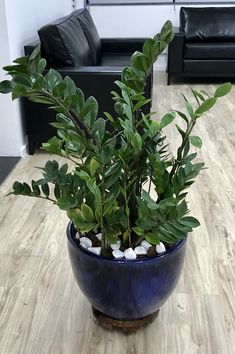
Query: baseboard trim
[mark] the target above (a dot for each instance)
(23, 150)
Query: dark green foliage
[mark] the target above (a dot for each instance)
(105, 189)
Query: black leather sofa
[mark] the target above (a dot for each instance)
(204, 45)
(72, 46)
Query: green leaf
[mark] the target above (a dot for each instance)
(140, 61)
(89, 111)
(65, 203)
(182, 209)
(141, 103)
(70, 87)
(189, 221)
(18, 90)
(136, 142)
(138, 230)
(45, 189)
(151, 49)
(6, 86)
(41, 99)
(53, 146)
(59, 89)
(75, 215)
(84, 227)
(42, 65)
(153, 238)
(206, 105)
(99, 127)
(21, 60)
(53, 78)
(35, 53)
(188, 106)
(35, 188)
(17, 187)
(57, 191)
(182, 133)
(94, 165)
(183, 116)
(167, 119)
(198, 96)
(87, 213)
(223, 89)
(26, 189)
(196, 141)
(108, 115)
(39, 83)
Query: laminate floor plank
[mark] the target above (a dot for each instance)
(43, 311)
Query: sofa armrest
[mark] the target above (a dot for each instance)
(176, 53)
(29, 48)
(122, 45)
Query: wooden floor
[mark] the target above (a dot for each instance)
(43, 311)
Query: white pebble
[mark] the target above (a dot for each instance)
(160, 248)
(145, 244)
(140, 250)
(77, 236)
(116, 246)
(85, 242)
(118, 254)
(129, 253)
(99, 236)
(95, 250)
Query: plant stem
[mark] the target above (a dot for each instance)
(83, 128)
(181, 148)
(46, 198)
(127, 209)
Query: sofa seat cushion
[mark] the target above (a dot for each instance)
(115, 59)
(210, 24)
(64, 43)
(209, 51)
(90, 31)
(209, 67)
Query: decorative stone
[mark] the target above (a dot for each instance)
(85, 242)
(99, 236)
(95, 250)
(145, 244)
(140, 250)
(116, 246)
(129, 253)
(160, 248)
(77, 236)
(118, 254)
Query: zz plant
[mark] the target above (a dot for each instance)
(108, 188)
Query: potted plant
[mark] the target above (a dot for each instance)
(126, 244)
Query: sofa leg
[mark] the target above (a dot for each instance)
(168, 80)
(31, 146)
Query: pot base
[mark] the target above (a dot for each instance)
(127, 326)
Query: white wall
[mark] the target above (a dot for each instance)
(9, 130)
(136, 21)
(131, 21)
(19, 22)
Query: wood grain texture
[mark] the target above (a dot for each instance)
(41, 307)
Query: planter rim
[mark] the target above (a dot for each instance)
(69, 232)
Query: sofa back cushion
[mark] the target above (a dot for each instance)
(208, 24)
(90, 32)
(64, 43)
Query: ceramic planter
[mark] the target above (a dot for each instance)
(121, 289)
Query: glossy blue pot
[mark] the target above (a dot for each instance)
(121, 289)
